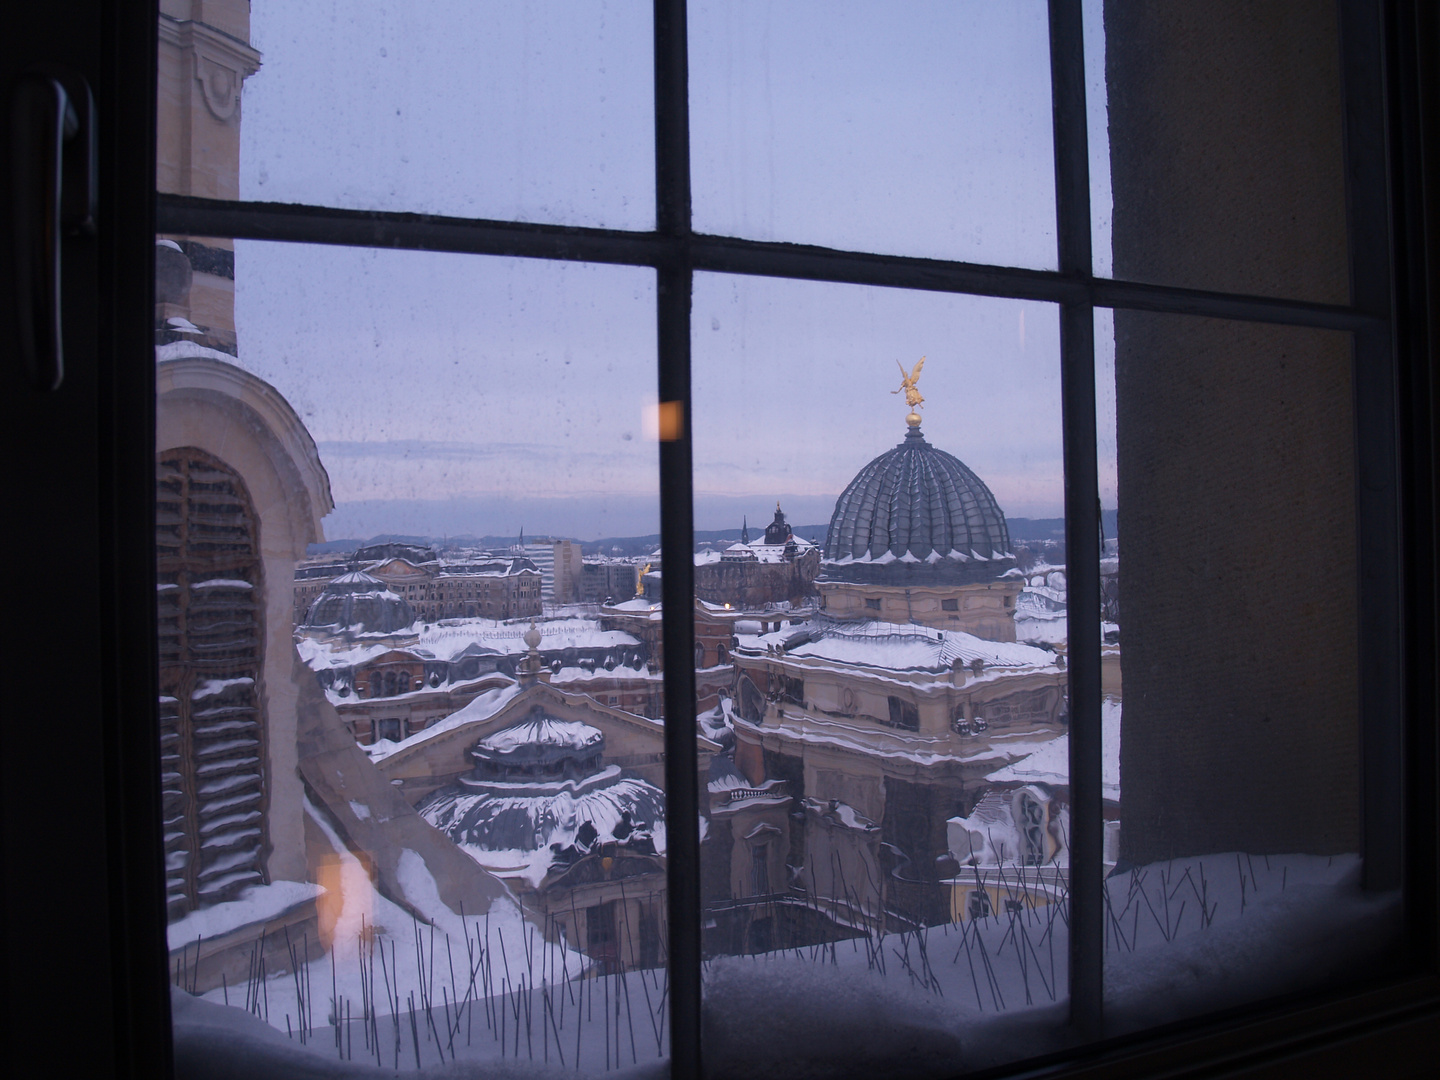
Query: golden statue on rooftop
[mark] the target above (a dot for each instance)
(913, 397)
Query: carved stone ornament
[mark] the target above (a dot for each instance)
(220, 84)
(221, 63)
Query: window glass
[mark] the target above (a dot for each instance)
(890, 733)
(1098, 137)
(1231, 585)
(918, 129)
(526, 112)
(400, 824)
(1225, 147)
(409, 577)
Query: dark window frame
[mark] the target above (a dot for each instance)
(1397, 56)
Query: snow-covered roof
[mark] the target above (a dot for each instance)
(840, 813)
(480, 708)
(992, 836)
(638, 605)
(454, 638)
(357, 581)
(1050, 764)
(361, 603)
(724, 776)
(1032, 624)
(619, 672)
(898, 647)
(532, 817)
(757, 552)
(543, 731)
(497, 567)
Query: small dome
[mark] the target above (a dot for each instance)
(532, 817)
(536, 783)
(359, 603)
(917, 515)
(541, 746)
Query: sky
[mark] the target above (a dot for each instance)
(457, 394)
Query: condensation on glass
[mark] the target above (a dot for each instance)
(881, 673)
(520, 112)
(922, 129)
(1239, 828)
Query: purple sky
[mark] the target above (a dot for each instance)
(456, 393)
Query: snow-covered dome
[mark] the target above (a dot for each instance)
(540, 747)
(360, 603)
(537, 783)
(531, 817)
(916, 515)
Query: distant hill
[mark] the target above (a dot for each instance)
(642, 545)
(1022, 530)
(1038, 529)
(493, 543)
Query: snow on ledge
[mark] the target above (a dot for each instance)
(256, 904)
(1303, 923)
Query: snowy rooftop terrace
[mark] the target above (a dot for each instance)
(446, 640)
(482, 707)
(897, 647)
(544, 731)
(1050, 764)
(756, 552)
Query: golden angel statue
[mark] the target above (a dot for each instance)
(913, 397)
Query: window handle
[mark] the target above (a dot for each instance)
(52, 194)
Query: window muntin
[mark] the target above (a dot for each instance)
(1297, 314)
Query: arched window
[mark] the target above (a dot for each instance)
(212, 646)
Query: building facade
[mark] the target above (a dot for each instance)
(487, 587)
(780, 567)
(862, 729)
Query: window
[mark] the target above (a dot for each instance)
(212, 639)
(1157, 290)
(918, 518)
(903, 714)
(760, 870)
